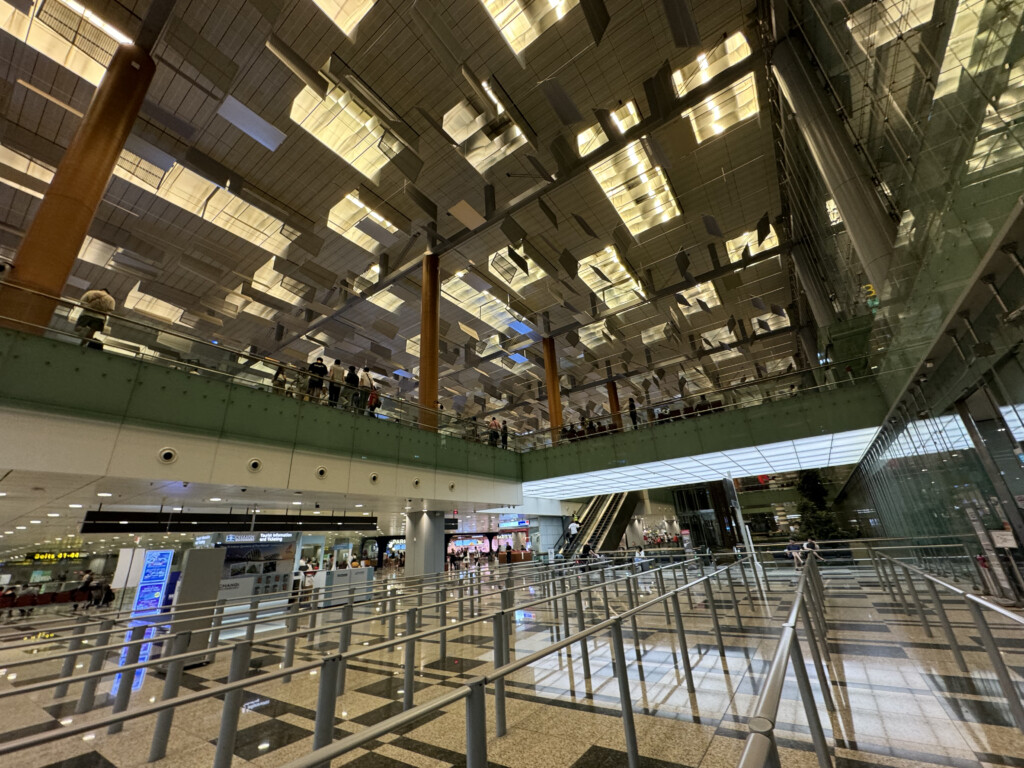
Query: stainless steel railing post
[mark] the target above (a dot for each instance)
(626, 702)
(810, 708)
(499, 684)
(896, 586)
(735, 602)
(661, 591)
(604, 594)
(476, 724)
(215, 624)
(947, 629)
(581, 625)
(819, 668)
(326, 701)
(344, 640)
(714, 617)
(250, 630)
(442, 620)
(232, 703)
(172, 683)
(291, 624)
(410, 658)
(126, 680)
(684, 650)
(912, 588)
(88, 697)
(68, 667)
(1006, 684)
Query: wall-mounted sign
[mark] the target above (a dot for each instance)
(261, 537)
(507, 524)
(54, 556)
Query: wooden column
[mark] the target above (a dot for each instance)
(554, 390)
(613, 405)
(54, 239)
(429, 337)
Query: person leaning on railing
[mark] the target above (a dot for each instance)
(96, 305)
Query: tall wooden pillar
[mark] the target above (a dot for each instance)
(54, 239)
(613, 405)
(429, 339)
(554, 390)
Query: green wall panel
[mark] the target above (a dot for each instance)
(263, 417)
(166, 398)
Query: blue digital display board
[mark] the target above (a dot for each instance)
(156, 569)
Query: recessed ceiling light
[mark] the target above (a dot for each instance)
(215, 498)
(359, 506)
(3, 493)
(35, 522)
(104, 495)
(74, 506)
(53, 514)
(20, 527)
(366, 514)
(177, 509)
(296, 503)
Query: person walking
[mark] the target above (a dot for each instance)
(493, 432)
(504, 434)
(365, 387)
(632, 412)
(315, 387)
(337, 377)
(574, 529)
(96, 305)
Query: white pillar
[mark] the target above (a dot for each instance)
(424, 543)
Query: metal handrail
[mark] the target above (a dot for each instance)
(888, 570)
(120, 717)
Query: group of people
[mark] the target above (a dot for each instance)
(800, 553)
(11, 594)
(88, 593)
(335, 386)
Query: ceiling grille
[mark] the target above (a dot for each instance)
(89, 39)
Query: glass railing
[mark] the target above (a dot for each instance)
(163, 345)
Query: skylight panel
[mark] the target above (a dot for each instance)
(345, 14)
(655, 334)
(197, 195)
(482, 304)
(594, 335)
(619, 289)
(636, 187)
(500, 265)
(732, 51)
(625, 117)
(344, 127)
(834, 216)
(151, 306)
(878, 23)
(68, 33)
(345, 218)
(715, 339)
(523, 21)
(270, 281)
(735, 246)
(705, 292)
(732, 105)
(483, 142)
(773, 321)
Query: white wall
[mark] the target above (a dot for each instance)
(33, 441)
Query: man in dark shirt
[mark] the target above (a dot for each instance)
(794, 554)
(317, 371)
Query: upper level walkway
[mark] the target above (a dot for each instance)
(159, 379)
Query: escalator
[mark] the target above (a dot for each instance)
(567, 547)
(604, 521)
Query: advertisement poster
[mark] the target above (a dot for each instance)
(255, 558)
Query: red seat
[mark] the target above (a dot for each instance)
(45, 599)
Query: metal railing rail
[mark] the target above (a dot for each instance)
(474, 690)
(332, 668)
(301, 595)
(808, 609)
(104, 650)
(906, 596)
